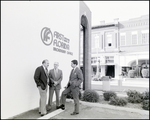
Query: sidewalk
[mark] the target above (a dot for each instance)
(101, 111)
(88, 111)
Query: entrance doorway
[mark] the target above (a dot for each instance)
(110, 71)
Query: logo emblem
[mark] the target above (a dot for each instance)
(46, 36)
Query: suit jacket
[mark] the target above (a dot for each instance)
(76, 78)
(40, 77)
(57, 78)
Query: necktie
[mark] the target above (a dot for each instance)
(72, 71)
(46, 71)
(55, 72)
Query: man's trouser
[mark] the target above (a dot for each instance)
(43, 98)
(51, 92)
(75, 93)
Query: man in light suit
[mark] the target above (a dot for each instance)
(75, 79)
(41, 79)
(55, 76)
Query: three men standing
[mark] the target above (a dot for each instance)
(53, 79)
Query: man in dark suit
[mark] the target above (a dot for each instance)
(75, 79)
(41, 79)
(55, 77)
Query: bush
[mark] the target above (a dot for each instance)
(90, 96)
(70, 96)
(109, 94)
(134, 96)
(131, 73)
(145, 73)
(145, 104)
(95, 79)
(118, 101)
(145, 95)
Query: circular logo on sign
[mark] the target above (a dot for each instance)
(46, 36)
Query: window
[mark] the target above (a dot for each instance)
(96, 38)
(102, 42)
(93, 42)
(145, 37)
(109, 40)
(134, 38)
(122, 39)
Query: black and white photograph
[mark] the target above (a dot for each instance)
(74, 59)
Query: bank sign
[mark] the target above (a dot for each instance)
(59, 42)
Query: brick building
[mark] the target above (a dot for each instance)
(119, 46)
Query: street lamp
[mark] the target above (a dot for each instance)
(97, 46)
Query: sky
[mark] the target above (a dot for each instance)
(109, 10)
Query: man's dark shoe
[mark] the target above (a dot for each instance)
(43, 114)
(74, 113)
(57, 107)
(62, 107)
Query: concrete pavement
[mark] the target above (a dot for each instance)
(101, 111)
(89, 111)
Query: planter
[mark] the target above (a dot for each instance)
(105, 83)
(145, 73)
(131, 73)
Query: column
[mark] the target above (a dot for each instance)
(103, 70)
(137, 66)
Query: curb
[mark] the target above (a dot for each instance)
(52, 114)
(142, 112)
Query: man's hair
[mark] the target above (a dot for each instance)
(44, 61)
(75, 62)
(56, 63)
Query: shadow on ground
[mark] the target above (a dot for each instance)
(32, 114)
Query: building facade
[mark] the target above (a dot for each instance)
(31, 32)
(119, 46)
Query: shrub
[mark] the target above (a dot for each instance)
(109, 94)
(134, 96)
(95, 79)
(90, 96)
(118, 101)
(70, 96)
(145, 104)
(131, 73)
(145, 73)
(145, 95)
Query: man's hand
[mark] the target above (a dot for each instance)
(72, 83)
(55, 83)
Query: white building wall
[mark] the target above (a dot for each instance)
(117, 66)
(22, 49)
